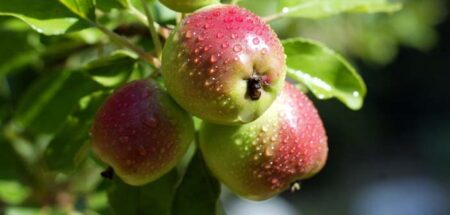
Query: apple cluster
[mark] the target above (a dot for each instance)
(224, 65)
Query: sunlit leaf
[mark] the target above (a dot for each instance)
(83, 8)
(48, 17)
(12, 192)
(324, 72)
(324, 8)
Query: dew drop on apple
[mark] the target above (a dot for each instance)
(237, 48)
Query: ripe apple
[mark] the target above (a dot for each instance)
(260, 159)
(224, 64)
(141, 132)
(187, 6)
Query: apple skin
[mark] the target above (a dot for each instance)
(260, 159)
(211, 59)
(187, 6)
(141, 132)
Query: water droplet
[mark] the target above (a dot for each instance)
(224, 45)
(237, 48)
(355, 93)
(228, 20)
(264, 51)
(212, 70)
(188, 34)
(238, 142)
(200, 38)
(150, 121)
(219, 35)
(233, 36)
(213, 59)
(235, 58)
(196, 60)
(207, 83)
(255, 41)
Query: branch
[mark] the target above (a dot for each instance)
(127, 44)
(152, 28)
(163, 31)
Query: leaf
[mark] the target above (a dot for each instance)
(199, 192)
(322, 8)
(64, 154)
(107, 5)
(13, 192)
(112, 70)
(83, 8)
(50, 100)
(49, 17)
(151, 199)
(18, 48)
(324, 72)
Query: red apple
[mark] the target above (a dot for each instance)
(224, 64)
(141, 132)
(261, 159)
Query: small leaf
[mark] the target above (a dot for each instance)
(323, 8)
(113, 70)
(199, 192)
(49, 17)
(49, 102)
(151, 199)
(324, 72)
(83, 8)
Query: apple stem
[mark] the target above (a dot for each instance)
(108, 173)
(254, 88)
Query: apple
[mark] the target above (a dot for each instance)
(141, 132)
(260, 159)
(224, 65)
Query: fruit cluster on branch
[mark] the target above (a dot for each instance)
(226, 66)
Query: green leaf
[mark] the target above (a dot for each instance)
(324, 72)
(19, 47)
(151, 199)
(199, 192)
(112, 70)
(64, 154)
(83, 8)
(323, 8)
(49, 17)
(12, 192)
(49, 101)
